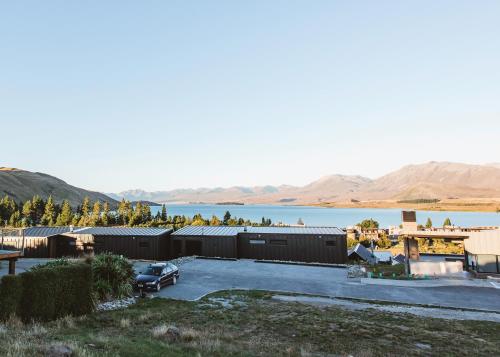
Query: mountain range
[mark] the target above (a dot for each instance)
(433, 180)
(429, 181)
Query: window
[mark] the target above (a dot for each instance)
(257, 241)
(487, 263)
(330, 243)
(278, 242)
(143, 244)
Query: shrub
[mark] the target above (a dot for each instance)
(51, 264)
(55, 291)
(113, 276)
(11, 290)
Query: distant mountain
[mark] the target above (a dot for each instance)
(435, 180)
(440, 180)
(23, 185)
(326, 188)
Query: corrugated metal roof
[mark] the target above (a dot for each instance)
(123, 231)
(363, 253)
(209, 231)
(234, 230)
(296, 230)
(45, 231)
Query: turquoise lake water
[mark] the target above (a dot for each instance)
(340, 217)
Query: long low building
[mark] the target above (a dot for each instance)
(131, 242)
(303, 244)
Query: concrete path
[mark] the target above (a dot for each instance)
(201, 277)
(442, 313)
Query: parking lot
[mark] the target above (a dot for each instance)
(201, 276)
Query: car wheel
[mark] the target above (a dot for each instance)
(158, 287)
(174, 281)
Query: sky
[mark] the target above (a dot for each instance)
(158, 95)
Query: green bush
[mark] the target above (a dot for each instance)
(11, 291)
(113, 276)
(51, 264)
(56, 291)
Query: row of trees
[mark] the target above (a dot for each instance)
(91, 214)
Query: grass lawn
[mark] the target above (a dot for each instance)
(238, 323)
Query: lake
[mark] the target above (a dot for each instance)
(339, 217)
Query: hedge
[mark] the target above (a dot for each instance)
(11, 292)
(48, 293)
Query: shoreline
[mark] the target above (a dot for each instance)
(453, 206)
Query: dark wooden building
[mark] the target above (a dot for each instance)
(302, 244)
(131, 242)
(38, 241)
(208, 241)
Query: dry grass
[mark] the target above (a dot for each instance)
(125, 323)
(254, 325)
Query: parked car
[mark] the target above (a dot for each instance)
(156, 276)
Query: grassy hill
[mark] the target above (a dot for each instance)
(23, 185)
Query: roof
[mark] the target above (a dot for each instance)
(45, 231)
(296, 230)
(400, 258)
(235, 230)
(229, 231)
(363, 253)
(123, 231)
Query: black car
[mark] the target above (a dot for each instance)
(157, 275)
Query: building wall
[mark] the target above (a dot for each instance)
(293, 247)
(142, 247)
(209, 246)
(484, 242)
(34, 247)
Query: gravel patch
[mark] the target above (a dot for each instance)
(182, 260)
(441, 313)
(116, 304)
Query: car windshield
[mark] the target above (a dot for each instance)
(153, 271)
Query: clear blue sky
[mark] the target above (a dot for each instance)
(113, 95)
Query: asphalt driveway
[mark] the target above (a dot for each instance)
(200, 277)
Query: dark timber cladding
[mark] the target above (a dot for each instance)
(38, 241)
(303, 244)
(133, 243)
(208, 241)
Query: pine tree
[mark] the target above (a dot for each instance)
(105, 219)
(65, 218)
(28, 212)
(48, 218)
(428, 224)
(38, 207)
(85, 215)
(163, 213)
(215, 221)
(124, 212)
(15, 219)
(95, 218)
(447, 222)
(227, 217)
